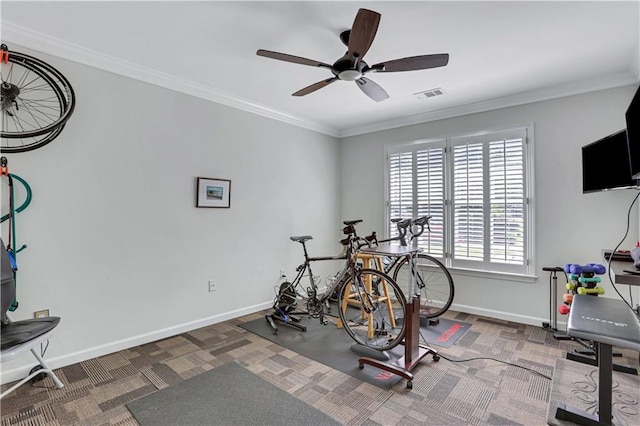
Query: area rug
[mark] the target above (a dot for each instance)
(576, 385)
(333, 347)
(226, 395)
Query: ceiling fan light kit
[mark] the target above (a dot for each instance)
(350, 75)
(352, 67)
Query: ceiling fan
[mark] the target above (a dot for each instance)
(352, 67)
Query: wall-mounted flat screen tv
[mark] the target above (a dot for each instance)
(633, 134)
(605, 164)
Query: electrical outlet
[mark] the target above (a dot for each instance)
(212, 285)
(41, 314)
(282, 273)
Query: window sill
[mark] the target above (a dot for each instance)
(530, 279)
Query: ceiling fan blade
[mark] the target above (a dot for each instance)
(315, 86)
(413, 63)
(290, 58)
(363, 32)
(371, 89)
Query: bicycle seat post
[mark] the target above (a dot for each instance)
(402, 232)
(304, 248)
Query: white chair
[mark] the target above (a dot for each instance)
(20, 336)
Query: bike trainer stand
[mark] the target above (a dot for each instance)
(414, 351)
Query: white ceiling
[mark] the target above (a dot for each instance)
(501, 53)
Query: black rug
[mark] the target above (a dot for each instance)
(220, 397)
(333, 346)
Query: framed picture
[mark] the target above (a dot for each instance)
(214, 193)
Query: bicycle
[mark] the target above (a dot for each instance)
(433, 280)
(36, 102)
(378, 319)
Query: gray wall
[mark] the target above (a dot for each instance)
(570, 227)
(118, 250)
(116, 246)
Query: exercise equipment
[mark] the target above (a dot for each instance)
(284, 308)
(18, 337)
(608, 323)
(583, 281)
(11, 249)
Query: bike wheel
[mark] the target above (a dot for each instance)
(372, 309)
(433, 283)
(36, 102)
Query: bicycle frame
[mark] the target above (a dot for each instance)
(315, 304)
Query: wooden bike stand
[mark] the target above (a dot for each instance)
(414, 352)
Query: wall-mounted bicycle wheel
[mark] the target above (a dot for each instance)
(36, 102)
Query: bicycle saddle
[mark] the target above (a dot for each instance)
(302, 239)
(352, 222)
(404, 223)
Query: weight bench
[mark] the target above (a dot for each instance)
(607, 323)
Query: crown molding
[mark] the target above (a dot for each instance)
(545, 94)
(37, 41)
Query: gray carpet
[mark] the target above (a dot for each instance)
(219, 397)
(333, 346)
(576, 385)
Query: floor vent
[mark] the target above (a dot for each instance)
(429, 93)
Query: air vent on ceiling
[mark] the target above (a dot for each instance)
(429, 93)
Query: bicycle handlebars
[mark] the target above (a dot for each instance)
(404, 225)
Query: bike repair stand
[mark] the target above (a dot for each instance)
(414, 351)
(552, 325)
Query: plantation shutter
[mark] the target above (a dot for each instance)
(507, 198)
(468, 200)
(400, 188)
(489, 202)
(430, 198)
(475, 190)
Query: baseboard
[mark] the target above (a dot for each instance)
(505, 316)
(98, 351)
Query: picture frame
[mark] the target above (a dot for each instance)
(213, 193)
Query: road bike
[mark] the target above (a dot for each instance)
(432, 279)
(371, 306)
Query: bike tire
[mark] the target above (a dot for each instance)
(434, 283)
(37, 113)
(385, 326)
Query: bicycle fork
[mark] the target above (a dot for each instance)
(367, 302)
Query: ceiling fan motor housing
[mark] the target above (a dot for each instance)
(347, 69)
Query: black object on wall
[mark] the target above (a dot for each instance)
(633, 134)
(605, 164)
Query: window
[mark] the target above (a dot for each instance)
(475, 189)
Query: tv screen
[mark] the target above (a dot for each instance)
(633, 134)
(605, 164)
